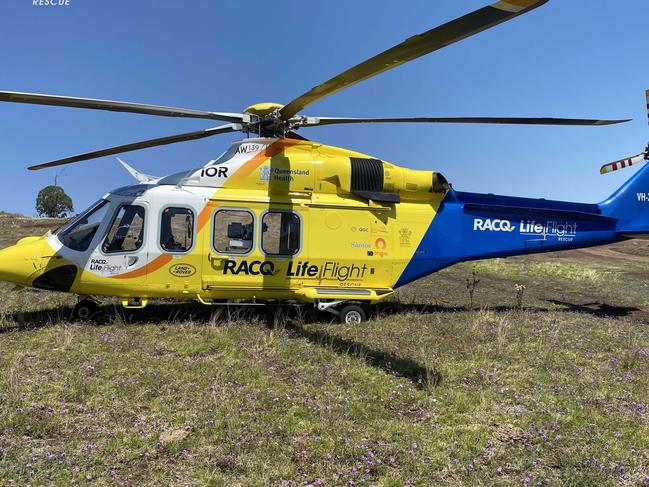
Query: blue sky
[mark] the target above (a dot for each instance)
(572, 58)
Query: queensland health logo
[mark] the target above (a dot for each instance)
(492, 225)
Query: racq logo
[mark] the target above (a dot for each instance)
(491, 225)
(51, 3)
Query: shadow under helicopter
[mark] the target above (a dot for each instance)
(290, 318)
(295, 321)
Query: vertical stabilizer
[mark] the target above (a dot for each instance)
(630, 204)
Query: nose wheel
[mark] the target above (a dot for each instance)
(85, 309)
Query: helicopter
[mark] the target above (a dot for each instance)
(278, 218)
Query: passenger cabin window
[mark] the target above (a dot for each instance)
(177, 229)
(233, 231)
(280, 233)
(127, 231)
(78, 234)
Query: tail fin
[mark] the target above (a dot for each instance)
(630, 204)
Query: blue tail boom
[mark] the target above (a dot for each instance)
(471, 226)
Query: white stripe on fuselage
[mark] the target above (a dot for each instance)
(195, 190)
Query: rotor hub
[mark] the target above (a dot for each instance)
(263, 109)
(264, 120)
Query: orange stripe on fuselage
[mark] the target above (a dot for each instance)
(244, 171)
(155, 264)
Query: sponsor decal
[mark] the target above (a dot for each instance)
(380, 247)
(404, 237)
(182, 270)
(102, 266)
(329, 270)
(214, 172)
(492, 225)
(268, 173)
(563, 231)
(254, 268)
(298, 269)
(361, 245)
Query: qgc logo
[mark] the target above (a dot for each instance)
(490, 225)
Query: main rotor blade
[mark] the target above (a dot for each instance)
(115, 106)
(413, 48)
(315, 121)
(171, 139)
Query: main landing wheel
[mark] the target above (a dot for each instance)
(84, 310)
(352, 314)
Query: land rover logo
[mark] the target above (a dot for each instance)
(182, 270)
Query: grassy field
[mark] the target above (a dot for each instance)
(547, 385)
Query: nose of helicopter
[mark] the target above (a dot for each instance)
(18, 262)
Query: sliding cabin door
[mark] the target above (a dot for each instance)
(254, 250)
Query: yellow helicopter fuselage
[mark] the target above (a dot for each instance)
(271, 219)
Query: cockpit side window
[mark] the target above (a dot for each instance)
(127, 230)
(78, 234)
(177, 229)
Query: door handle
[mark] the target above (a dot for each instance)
(215, 259)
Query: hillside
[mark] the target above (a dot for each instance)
(434, 390)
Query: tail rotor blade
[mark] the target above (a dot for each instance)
(623, 163)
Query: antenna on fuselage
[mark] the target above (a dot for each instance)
(140, 177)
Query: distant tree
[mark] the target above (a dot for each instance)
(53, 202)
